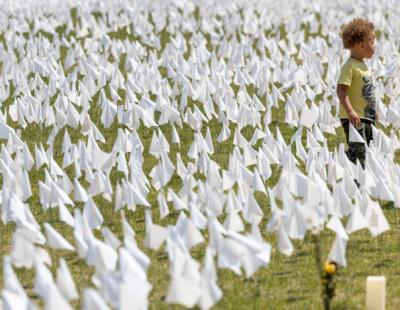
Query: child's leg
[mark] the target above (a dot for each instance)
(355, 150)
(368, 132)
(345, 125)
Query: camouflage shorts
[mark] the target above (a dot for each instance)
(357, 150)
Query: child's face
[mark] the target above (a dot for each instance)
(368, 46)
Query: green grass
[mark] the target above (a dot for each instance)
(286, 283)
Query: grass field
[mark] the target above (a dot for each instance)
(286, 283)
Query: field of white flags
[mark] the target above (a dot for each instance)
(170, 153)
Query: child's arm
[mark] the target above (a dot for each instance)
(341, 91)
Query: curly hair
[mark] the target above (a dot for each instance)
(356, 32)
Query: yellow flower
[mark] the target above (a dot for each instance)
(330, 267)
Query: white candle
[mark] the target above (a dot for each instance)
(376, 293)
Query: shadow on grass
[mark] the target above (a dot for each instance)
(294, 299)
(387, 204)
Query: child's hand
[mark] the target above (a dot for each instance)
(378, 115)
(354, 119)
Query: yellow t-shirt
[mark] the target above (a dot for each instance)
(361, 90)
